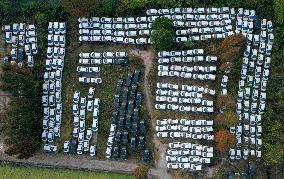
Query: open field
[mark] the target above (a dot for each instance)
(15, 172)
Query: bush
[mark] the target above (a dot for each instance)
(273, 154)
(227, 101)
(141, 172)
(163, 34)
(236, 40)
(21, 126)
(224, 140)
(227, 120)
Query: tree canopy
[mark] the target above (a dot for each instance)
(163, 33)
(224, 140)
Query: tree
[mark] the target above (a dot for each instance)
(163, 34)
(273, 154)
(231, 48)
(163, 23)
(141, 172)
(80, 8)
(231, 118)
(110, 8)
(227, 120)
(224, 140)
(279, 11)
(162, 39)
(227, 101)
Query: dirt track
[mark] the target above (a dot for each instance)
(161, 169)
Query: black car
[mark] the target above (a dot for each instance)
(121, 123)
(128, 121)
(137, 76)
(116, 100)
(146, 155)
(257, 23)
(141, 142)
(124, 138)
(118, 86)
(130, 107)
(129, 79)
(122, 111)
(125, 94)
(21, 55)
(133, 130)
(123, 153)
(114, 117)
(138, 99)
(122, 61)
(136, 112)
(115, 153)
(133, 91)
(133, 143)
(142, 128)
(117, 137)
(251, 169)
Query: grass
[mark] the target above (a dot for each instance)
(16, 172)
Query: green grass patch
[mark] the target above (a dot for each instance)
(15, 172)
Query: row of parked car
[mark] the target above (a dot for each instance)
(252, 95)
(52, 100)
(126, 122)
(81, 133)
(98, 58)
(184, 122)
(115, 29)
(188, 88)
(187, 59)
(23, 39)
(186, 135)
(188, 156)
(176, 100)
(185, 128)
(179, 68)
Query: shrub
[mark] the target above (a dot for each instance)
(224, 140)
(227, 120)
(273, 154)
(141, 172)
(225, 100)
(236, 40)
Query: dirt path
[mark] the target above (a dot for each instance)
(71, 162)
(161, 169)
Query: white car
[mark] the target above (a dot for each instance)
(171, 158)
(161, 106)
(172, 165)
(141, 41)
(163, 134)
(93, 150)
